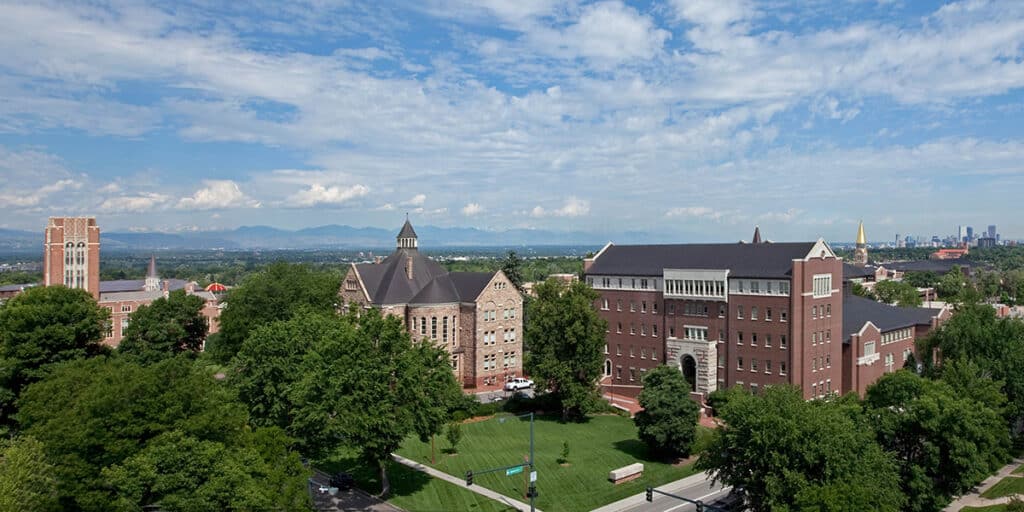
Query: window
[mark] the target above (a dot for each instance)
(632, 374)
(828, 335)
(782, 315)
(767, 340)
(782, 367)
(739, 363)
(618, 305)
(643, 353)
(721, 311)
(828, 360)
(618, 372)
(605, 348)
(768, 288)
(721, 336)
(632, 328)
(654, 330)
(721, 360)
(753, 364)
(754, 388)
(109, 332)
(618, 328)
(782, 341)
(632, 352)
(671, 308)
(767, 365)
(433, 327)
(444, 329)
(126, 308)
(671, 331)
(739, 337)
(814, 311)
(124, 325)
(654, 354)
(784, 287)
(767, 314)
(643, 329)
(753, 339)
(739, 312)
(643, 284)
(654, 307)
(890, 362)
(643, 306)
(697, 333)
(423, 326)
(754, 287)
(618, 349)
(822, 285)
(753, 312)
(632, 306)
(869, 348)
(455, 362)
(828, 310)
(604, 304)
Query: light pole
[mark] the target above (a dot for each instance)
(532, 489)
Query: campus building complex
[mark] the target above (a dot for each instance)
(746, 314)
(476, 316)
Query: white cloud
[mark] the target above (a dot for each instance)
(472, 209)
(573, 207)
(319, 194)
(35, 197)
(218, 195)
(416, 200)
(701, 212)
(143, 202)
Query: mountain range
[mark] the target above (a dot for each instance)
(326, 237)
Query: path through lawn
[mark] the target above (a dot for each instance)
(601, 444)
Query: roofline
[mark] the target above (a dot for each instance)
(362, 285)
(603, 249)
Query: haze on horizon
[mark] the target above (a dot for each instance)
(673, 117)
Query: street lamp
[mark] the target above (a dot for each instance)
(531, 490)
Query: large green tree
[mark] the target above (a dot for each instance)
(786, 453)
(26, 477)
(952, 285)
(165, 328)
(566, 338)
(40, 327)
(896, 292)
(98, 414)
(944, 442)
(512, 266)
(352, 380)
(275, 293)
(668, 421)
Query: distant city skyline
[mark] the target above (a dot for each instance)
(694, 120)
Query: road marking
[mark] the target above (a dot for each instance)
(719, 491)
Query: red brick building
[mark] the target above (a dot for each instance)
(476, 316)
(71, 253)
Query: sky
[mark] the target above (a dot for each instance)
(691, 119)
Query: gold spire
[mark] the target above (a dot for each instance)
(861, 239)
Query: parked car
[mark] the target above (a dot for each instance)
(518, 383)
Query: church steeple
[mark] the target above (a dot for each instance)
(757, 235)
(860, 253)
(152, 278)
(407, 236)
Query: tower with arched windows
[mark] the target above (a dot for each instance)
(71, 253)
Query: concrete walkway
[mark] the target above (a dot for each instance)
(974, 499)
(500, 498)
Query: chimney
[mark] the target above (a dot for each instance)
(408, 266)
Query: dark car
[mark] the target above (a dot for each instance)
(343, 481)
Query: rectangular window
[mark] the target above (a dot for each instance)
(782, 341)
(721, 311)
(632, 328)
(671, 331)
(753, 339)
(767, 365)
(643, 353)
(444, 329)
(671, 308)
(828, 310)
(654, 330)
(784, 287)
(654, 354)
(126, 308)
(721, 360)
(632, 352)
(739, 337)
(618, 328)
(767, 340)
(782, 367)
(654, 307)
(632, 306)
(618, 349)
(869, 348)
(433, 327)
(753, 313)
(643, 284)
(643, 306)
(739, 312)
(643, 329)
(767, 314)
(618, 305)
(814, 312)
(822, 285)
(755, 287)
(782, 315)
(739, 363)
(753, 365)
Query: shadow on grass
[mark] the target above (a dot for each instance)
(404, 480)
(638, 450)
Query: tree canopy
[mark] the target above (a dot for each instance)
(944, 442)
(898, 293)
(668, 421)
(275, 293)
(566, 339)
(43, 326)
(165, 328)
(355, 380)
(26, 477)
(512, 266)
(96, 415)
(786, 453)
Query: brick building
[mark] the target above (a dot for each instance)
(477, 317)
(747, 314)
(71, 253)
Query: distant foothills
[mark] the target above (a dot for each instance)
(329, 237)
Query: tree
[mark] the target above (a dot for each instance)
(566, 340)
(165, 328)
(668, 421)
(944, 443)
(512, 266)
(454, 435)
(98, 414)
(926, 279)
(952, 285)
(860, 291)
(354, 379)
(895, 292)
(43, 326)
(786, 453)
(275, 293)
(26, 477)
(564, 459)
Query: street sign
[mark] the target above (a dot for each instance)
(513, 471)
(533, 476)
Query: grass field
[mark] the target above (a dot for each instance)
(597, 446)
(1019, 470)
(1005, 487)
(990, 508)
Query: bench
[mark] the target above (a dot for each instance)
(626, 473)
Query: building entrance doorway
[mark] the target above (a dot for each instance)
(689, 366)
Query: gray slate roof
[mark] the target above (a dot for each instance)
(16, 287)
(937, 266)
(136, 285)
(858, 310)
(407, 230)
(855, 272)
(770, 260)
(387, 282)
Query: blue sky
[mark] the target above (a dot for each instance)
(696, 119)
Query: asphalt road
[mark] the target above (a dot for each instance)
(698, 491)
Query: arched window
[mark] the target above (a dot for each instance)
(607, 367)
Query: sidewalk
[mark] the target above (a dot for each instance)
(974, 499)
(639, 499)
(500, 498)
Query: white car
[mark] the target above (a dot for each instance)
(518, 383)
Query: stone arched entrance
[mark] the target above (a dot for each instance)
(689, 366)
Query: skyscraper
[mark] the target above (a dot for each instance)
(71, 253)
(992, 231)
(970, 233)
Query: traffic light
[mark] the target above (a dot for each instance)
(531, 492)
(650, 494)
(469, 478)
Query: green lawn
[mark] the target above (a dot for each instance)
(415, 491)
(1019, 470)
(1005, 487)
(990, 508)
(601, 444)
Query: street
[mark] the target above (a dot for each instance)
(695, 488)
